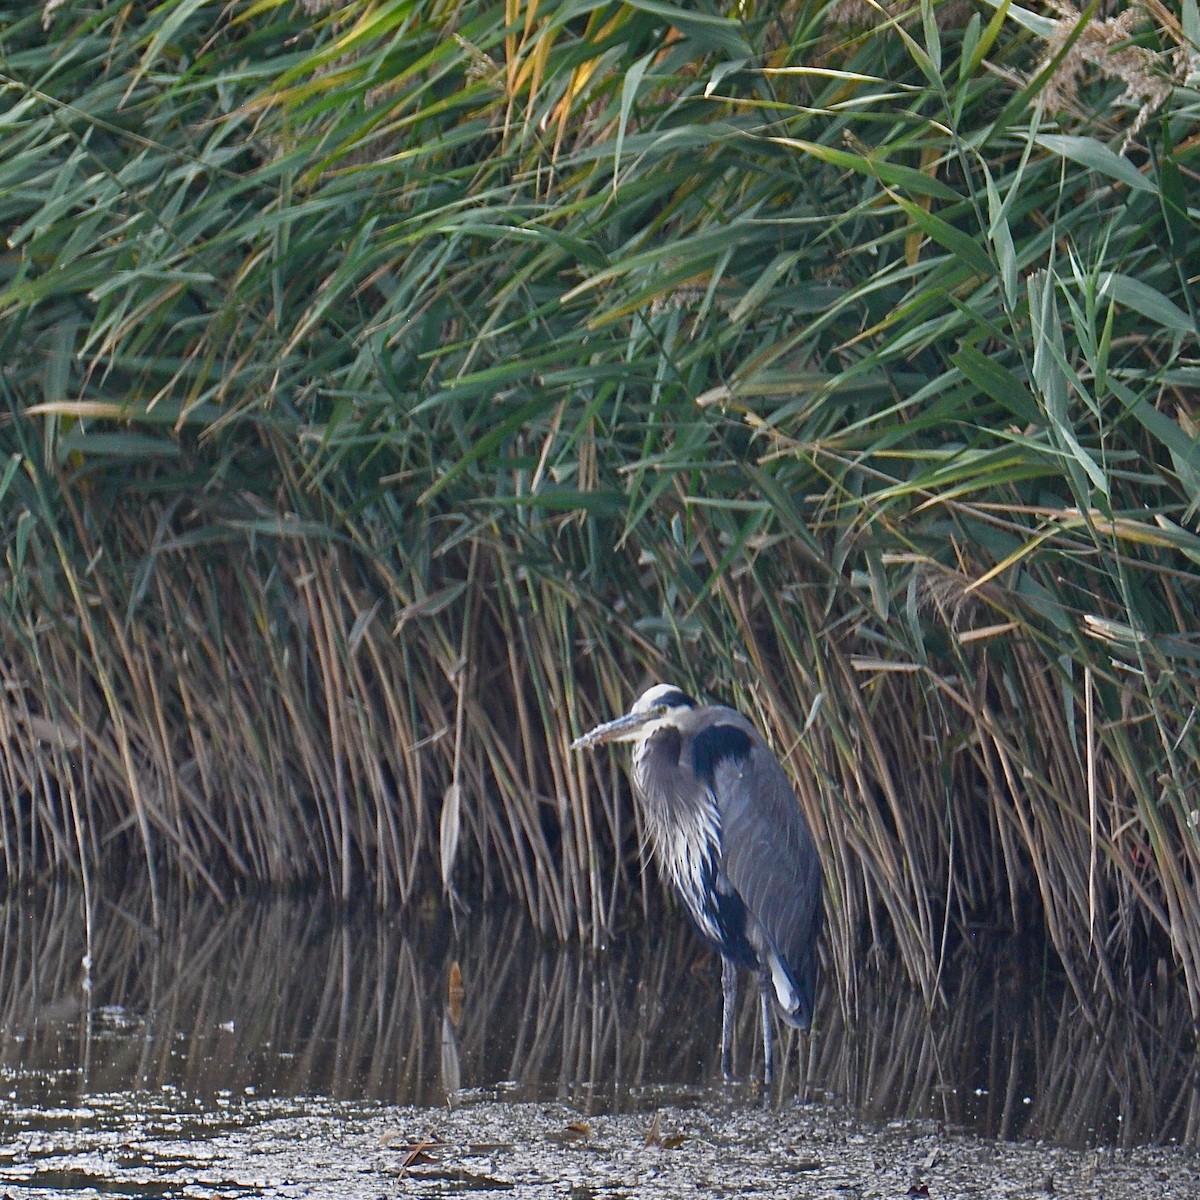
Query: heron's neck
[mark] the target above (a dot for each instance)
(673, 801)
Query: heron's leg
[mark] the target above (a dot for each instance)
(768, 1041)
(728, 1004)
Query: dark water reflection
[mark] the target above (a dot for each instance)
(288, 998)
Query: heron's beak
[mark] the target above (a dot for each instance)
(623, 729)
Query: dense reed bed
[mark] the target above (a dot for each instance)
(391, 391)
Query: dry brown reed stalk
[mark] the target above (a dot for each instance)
(1032, 769)
(1065, 787)
(299, 716)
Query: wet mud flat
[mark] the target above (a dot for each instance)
(704, 1144)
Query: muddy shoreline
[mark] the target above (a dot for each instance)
(167, 1145)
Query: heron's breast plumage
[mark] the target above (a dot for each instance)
(683, 821)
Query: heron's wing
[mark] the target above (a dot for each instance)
(768, 854)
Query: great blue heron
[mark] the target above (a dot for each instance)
(727, 830)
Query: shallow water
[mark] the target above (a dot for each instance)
(279, 1048)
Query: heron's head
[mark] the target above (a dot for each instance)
(653, 708)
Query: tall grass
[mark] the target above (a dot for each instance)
(393, 390)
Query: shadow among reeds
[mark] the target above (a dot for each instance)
(288, 997)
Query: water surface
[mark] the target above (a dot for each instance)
(272, 1047)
